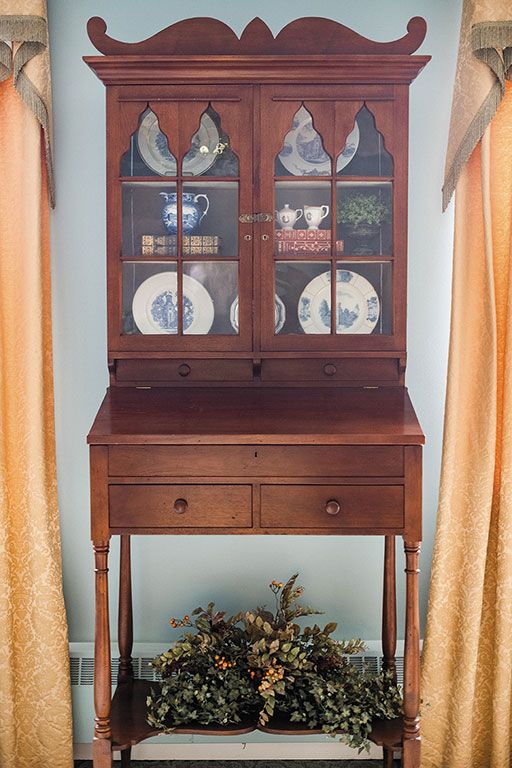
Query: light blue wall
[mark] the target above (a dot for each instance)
(342, 576)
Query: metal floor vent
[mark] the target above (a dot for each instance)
(82, 667)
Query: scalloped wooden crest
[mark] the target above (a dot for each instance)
(210, 37)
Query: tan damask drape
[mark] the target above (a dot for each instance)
(483, 64)
(467, 657)
(35, 707)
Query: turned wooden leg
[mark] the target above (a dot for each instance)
(389, 607)
(125, 619)
(102, 747)
(126, 755)
(389, 622)
(411, 755)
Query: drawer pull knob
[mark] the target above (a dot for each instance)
(180, 506)
(330, 369)
(332, 507)
(184, 369)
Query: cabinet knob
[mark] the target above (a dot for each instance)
(180, 506)
(330, 369)
(332, 507)
(184, 369)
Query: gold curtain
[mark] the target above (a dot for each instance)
(483, 64)
(467, 658)
(35, 704)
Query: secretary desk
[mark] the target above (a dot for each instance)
(256, 273)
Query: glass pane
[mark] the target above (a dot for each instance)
(148, 225)
(210, 297)
(364, 153)
(150, 291)
(148, 153)
(210, 218)
(304, 288)
(364, 215)
(303, 217)
(303, 153)
(364, 297)
(210, 153)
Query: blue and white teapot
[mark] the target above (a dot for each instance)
(191, 214)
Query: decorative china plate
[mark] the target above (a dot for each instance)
(280, 314)
(357, 304)
(155, 305)
(303, 153)
(154, 151)
(349, 150)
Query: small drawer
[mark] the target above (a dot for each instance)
(347, 369)
(332, 506)
(256, 461)
(180, 506)
(173, 371)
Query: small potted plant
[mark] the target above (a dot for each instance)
(362, 214)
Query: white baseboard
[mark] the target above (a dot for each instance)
(278, 751)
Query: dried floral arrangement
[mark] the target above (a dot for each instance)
(262, 665)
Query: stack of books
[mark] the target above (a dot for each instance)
(192, 245)
(290, 241)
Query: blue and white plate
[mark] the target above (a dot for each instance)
(154, 149)
(280, 314)
(303, 153)
(155, 305)
(357, 304)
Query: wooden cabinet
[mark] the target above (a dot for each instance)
(256, 272)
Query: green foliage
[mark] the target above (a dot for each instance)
(360, 208)
(342, 703)
(260, 664)
(205, 676)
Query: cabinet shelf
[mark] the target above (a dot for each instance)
(129, 725)
(308, 256)
(309, 180)
(207, 181)
(202, 257)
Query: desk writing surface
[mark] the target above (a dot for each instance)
(217, 415)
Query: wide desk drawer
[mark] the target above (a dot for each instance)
(171, 372)
(256, 461)
(180, 506)
(339, 370)
(332, 506)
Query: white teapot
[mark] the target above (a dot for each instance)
(287, 217)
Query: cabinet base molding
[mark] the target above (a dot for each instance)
(313, 749)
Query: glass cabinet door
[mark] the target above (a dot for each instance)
(184, 176)
(328, 175)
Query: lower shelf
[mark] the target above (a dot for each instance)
(129, 726)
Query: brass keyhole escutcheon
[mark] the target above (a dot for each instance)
(332, 507)
(247, 237)
(180, 506)
(264, 237)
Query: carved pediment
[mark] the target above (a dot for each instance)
(211, 37)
